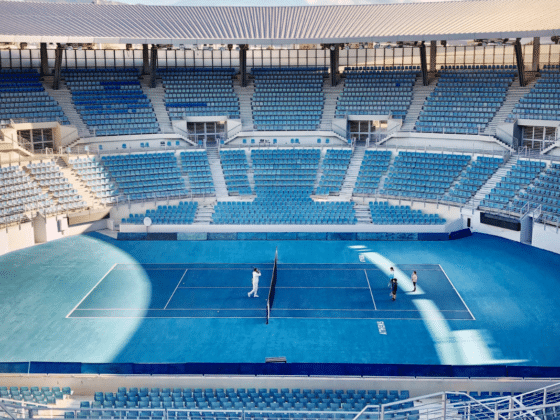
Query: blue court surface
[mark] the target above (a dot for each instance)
(92, 299)
(302, 291)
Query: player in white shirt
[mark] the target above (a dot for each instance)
(256, 275)
(414, 279)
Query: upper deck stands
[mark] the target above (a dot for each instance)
(466, 99)
(199, 92)
(377, 91)
(111, 101)
(289, 98)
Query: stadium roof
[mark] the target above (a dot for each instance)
(137, 24)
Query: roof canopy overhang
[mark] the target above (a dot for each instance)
(139, 24)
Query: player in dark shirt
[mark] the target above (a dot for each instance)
(394, 287)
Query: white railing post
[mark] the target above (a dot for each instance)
(444, 405)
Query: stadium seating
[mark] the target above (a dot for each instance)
(384, 214)
(197, 167)
(261, 399)
(111, 101)
(22, 96)
(48, 175)
(478, 173)
(465, 99)
(374, 165)
(377, 91)
(94, 175)
(288, 98)
(182, 214)
(235, 166)
(284, 181)
(285, 168)
(334, 165)
(423, 175)
(34, 394)
(544, 191)
(19, 194)
(199, 91)
(287, 208)
(146, 176)
(520, 175)
(543, 101)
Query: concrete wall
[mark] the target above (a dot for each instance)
(546, 237)
(19, 236)
(432, 142)
(284, 139)
(64, 135)
(56, 227)
(476, 226)
(4, 245)
(85, 385)
(554, 152)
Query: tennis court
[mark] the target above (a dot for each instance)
(93, 299)
(302, 291)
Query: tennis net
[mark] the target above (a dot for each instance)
(272, 290)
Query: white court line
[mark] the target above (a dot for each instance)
(370, 291)
(180, 280)
(258, 317)
(178, 309)
(102, 278)
(366, 319)
(212, 287)
(319, 287)
(458, 294)
(339, 309)
(176, 317)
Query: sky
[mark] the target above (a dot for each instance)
(267, 2)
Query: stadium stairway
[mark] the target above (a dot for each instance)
(245, 95)
(515, 93)
(184, 174)
(352, 175)
(363, 214)
(156, 95)
(204, 213)
(250, 171)
(64, 99)
(77, 183)
(419, 95)
(386, 174)
(491, 183)
(319, 170)
(217, 172)
(331, 97)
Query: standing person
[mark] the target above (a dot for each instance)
(256, 275)
(391, 276)
(394, 287)
(414, 279)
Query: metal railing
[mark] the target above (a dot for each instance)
(540, 404)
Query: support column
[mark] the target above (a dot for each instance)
(57, 66)
(536, 53)
(145, 59)
(335, 58)
(44, 60)
(243, 63)
(424, 65)
(433, 56)
(519, 60)
(153, 65)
